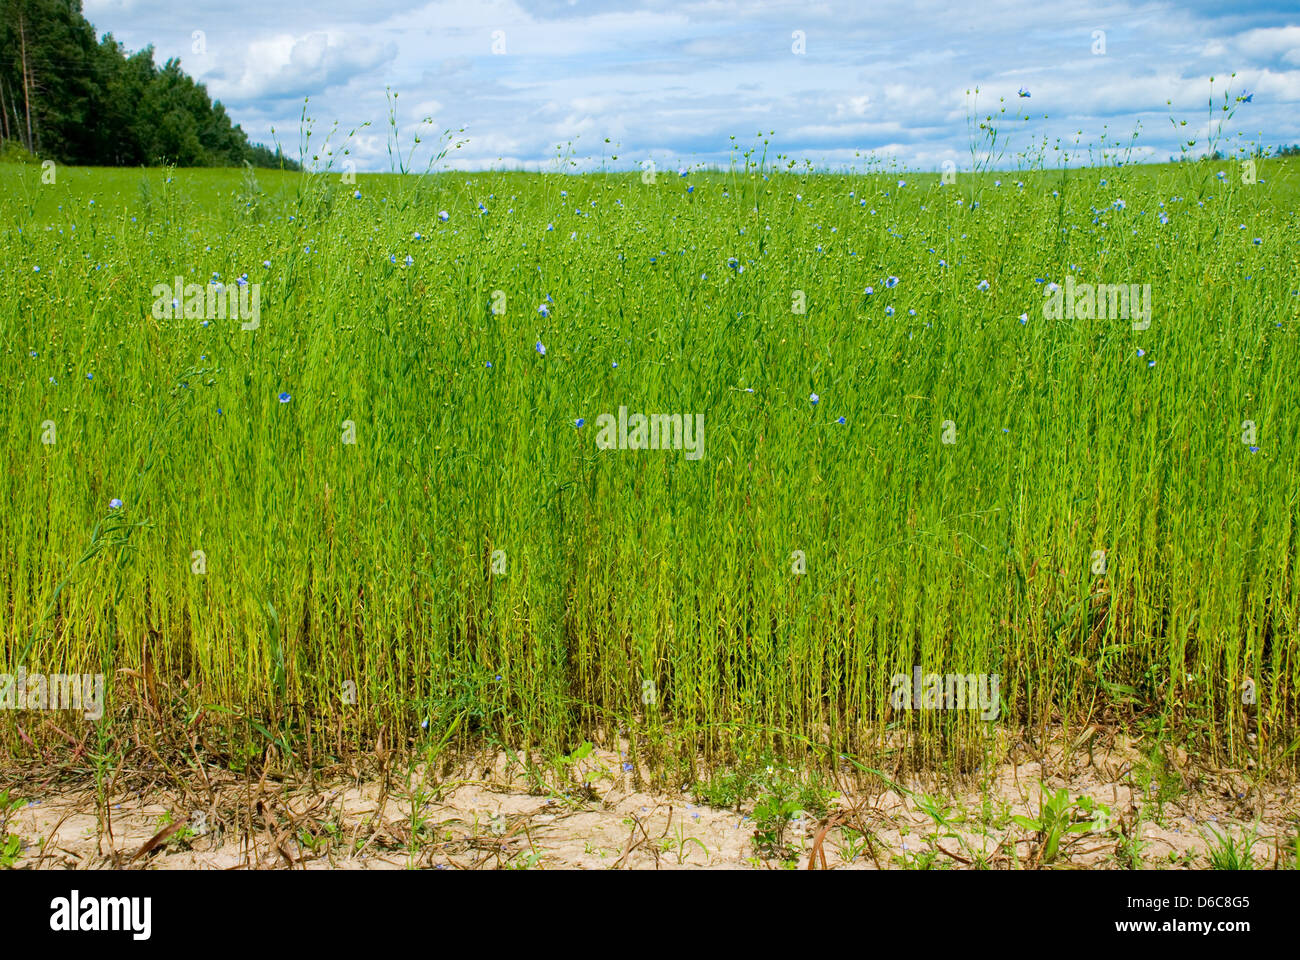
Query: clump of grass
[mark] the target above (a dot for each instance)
(781, 797)
(1227, 852)
(11, 845)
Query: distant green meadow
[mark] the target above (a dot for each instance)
(709, 461)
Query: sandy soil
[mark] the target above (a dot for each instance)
(487, 817)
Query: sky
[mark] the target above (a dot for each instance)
(544, 84)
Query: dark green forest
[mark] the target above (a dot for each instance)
(66, 97)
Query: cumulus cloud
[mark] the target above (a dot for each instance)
(284, 66)
(1280, 43)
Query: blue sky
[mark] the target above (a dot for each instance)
(674, 81)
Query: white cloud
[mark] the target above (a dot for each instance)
(283, 65)
(679, 78)
(1283, 42)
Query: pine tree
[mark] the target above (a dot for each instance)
(65, 97)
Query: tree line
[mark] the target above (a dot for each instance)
(66, 97)
(1282, 151)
